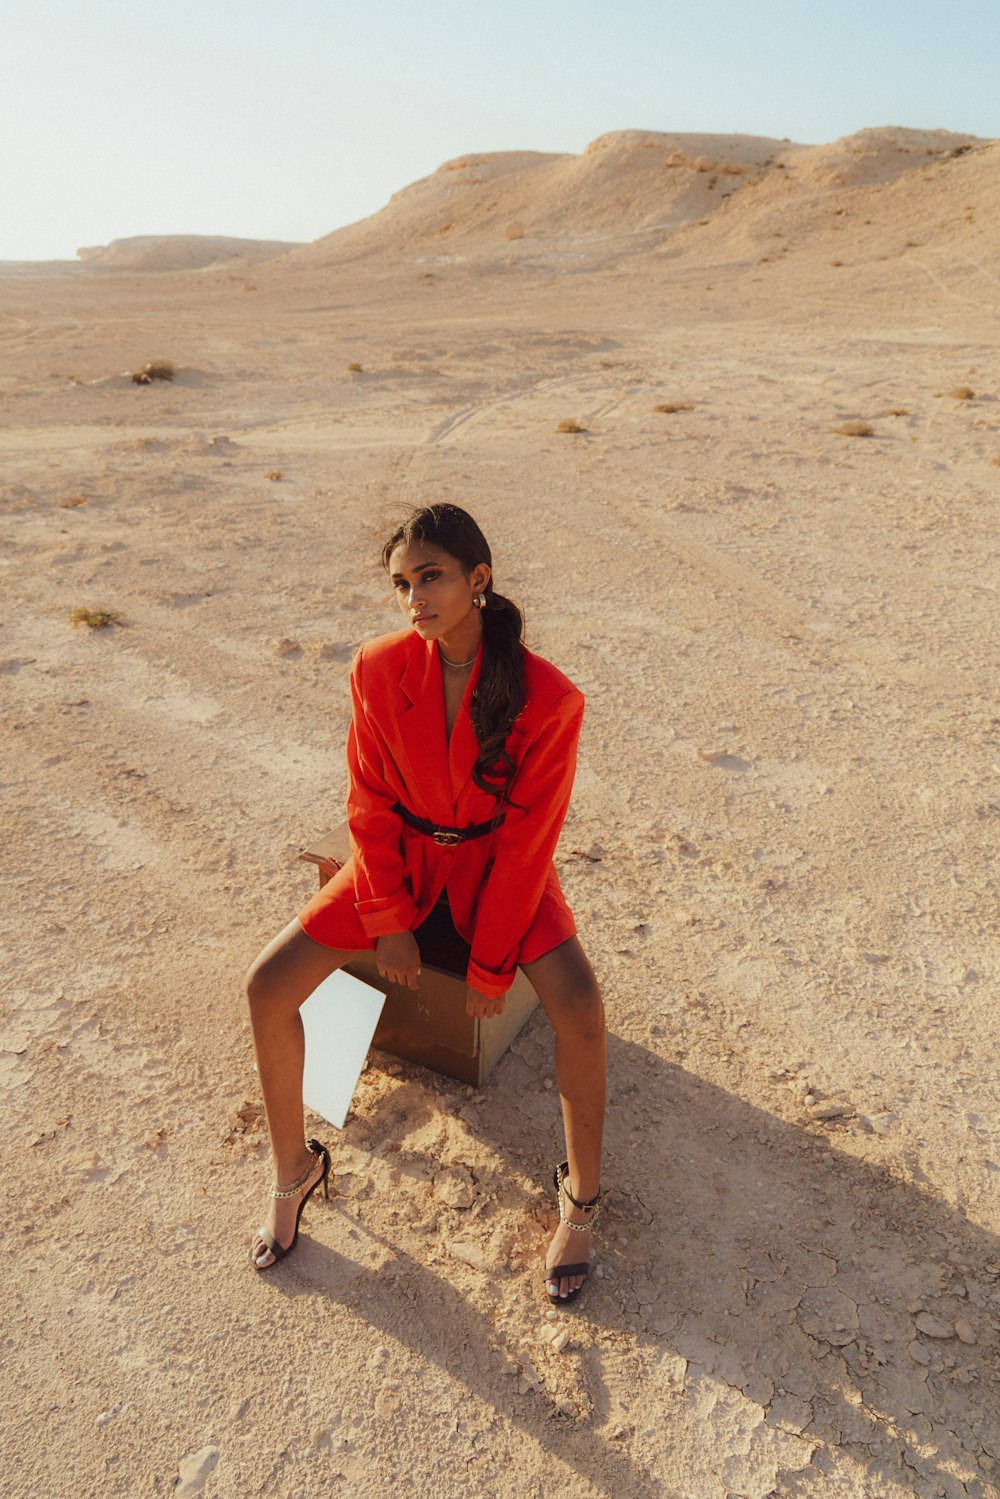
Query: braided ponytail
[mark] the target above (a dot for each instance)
(499, 694)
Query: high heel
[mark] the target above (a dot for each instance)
(268, 1240)
(563, 1272)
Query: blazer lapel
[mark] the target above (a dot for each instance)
(463, 748)
(422, 749)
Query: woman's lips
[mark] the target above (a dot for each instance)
(421, 619)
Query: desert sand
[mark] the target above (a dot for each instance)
(780, 853)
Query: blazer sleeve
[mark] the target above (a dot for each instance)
(510, 895)
(382, 896)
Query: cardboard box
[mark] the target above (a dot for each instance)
(430, 1025)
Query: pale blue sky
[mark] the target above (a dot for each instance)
(289, 118)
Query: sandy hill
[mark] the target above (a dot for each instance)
(179, 252)
(637, 184)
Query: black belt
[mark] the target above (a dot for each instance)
(447, 837)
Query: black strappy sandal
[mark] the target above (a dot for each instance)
(268, 1240)
(559, 1272)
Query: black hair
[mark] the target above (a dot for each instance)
(499, 694)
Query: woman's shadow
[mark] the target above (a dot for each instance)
(787, 1289)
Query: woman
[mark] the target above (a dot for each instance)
(461, 755)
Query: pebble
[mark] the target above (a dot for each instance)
(919, 1353)
(194, 1469)
(551, 1314)
(965, 1332)
(387, 1401)
(560, 1340)
(882, 1123)
(934, 1327)
(833, 1111)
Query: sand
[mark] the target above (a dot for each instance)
(779, 851)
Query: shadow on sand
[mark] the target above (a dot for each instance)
(786, 1274)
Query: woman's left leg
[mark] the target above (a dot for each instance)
(565, 984)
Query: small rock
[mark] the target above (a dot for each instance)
(560, 1340)
(551, 1314)
(194, 1469)
(283, 646)
(455, 1188)
(833, 1111)
(934, 1327)
(919, 1353)
(387, 1401)
(882, 1123)
(965, 1332)
(470, 1254)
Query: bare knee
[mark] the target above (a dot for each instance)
(285, 973)
(260, 985)
(279, 976)
(577, 1014)
(584, 1015)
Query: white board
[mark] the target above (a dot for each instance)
(339, 1019)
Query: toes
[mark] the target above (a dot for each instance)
(260, 1255)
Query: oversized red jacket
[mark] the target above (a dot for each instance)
(503, 890)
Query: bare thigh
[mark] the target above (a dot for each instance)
(287, 970)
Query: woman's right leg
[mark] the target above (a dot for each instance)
(279, 982)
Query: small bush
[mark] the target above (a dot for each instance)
(274, 475)
(897, 411)
(354, 368)
(157, 369)
(95, 619)
(72, 501)
(669, 407)
(569, 425)
(962, 393)
(855, 429)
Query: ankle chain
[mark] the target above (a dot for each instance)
(297, 1185)
(592, 1208)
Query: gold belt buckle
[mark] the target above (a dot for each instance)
(444, 839)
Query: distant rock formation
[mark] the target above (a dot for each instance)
(180, 252)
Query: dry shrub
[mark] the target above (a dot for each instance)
(514, 231)
(95, 619)
(962, 393)
(355, 368)
(897, 411)
(669, 407)
(156, 369)
(274, 475)
(855, 429)
(72, 501)
(996, 461)
(836, 262)
(569, 425)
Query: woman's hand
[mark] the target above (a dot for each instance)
(483, 1005)
(398, 958)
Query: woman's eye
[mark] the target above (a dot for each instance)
(430, 577)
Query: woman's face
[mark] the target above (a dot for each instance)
(432, 589)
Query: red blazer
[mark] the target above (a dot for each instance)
(500, 885)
